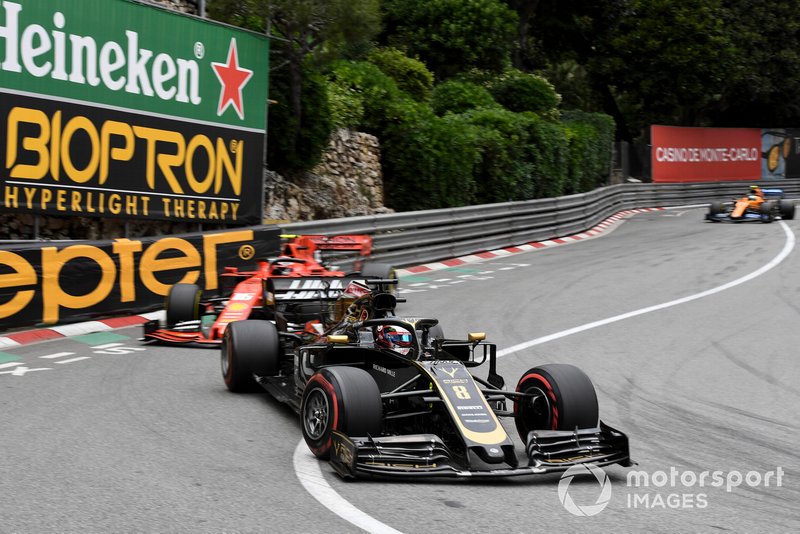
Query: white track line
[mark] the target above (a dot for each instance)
(307, 467)
(782, 255)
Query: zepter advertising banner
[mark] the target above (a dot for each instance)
(111, 108)
(55, 283)
(681, 154)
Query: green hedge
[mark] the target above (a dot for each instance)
(458, 96)
(464, 148)
(429, 162)
(590, 137)
(410, 75)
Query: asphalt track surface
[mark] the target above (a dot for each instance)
(689, 331)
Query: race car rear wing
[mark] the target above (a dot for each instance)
(307, 288)
(773, 192)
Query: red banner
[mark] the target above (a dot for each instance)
(682, 154)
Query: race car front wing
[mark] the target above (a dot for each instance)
(426, 455)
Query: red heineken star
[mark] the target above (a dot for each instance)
(233, 80)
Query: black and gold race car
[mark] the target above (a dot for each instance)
(379, 394)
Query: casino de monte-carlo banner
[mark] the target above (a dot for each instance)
(681, 154)
(112, 108)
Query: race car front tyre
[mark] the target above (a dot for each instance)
(183, 303)
(787, 209)
(715, 208)
(346, 399)
(249, 348)
(766, 211)
(565, 399)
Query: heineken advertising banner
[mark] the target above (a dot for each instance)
(111, 108)
(54, 283)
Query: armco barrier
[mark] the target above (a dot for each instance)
(424, 236)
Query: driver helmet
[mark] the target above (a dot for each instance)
(393, 336)
(755, 190)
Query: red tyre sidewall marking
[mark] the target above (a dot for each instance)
(550, 393)
(328, 387)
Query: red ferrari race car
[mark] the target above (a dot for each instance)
(302, 281)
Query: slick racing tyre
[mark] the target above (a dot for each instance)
(249, 348)
(766, 211)
(787, 209)
(183, 303)
(346, 399)
(565, 400)
(715, 208)
(381, 271)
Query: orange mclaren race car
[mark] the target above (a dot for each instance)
(300, 282)
(758, 204)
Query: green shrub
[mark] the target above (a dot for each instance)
(346, 105)
(456, 96)
(428, 162)
(377, 91)
(519, 91)
(549, 153)
(504, 171)
(411, 75)
(590, 138)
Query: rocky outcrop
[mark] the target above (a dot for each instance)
(184, 6)
(347, 182)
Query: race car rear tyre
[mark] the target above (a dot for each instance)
(183, 303)
(566, 400)
(787, 209)
(372, 269)
(249, 348)
(346, 399)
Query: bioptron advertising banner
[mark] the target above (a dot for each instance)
(111, 108)
(681, 154)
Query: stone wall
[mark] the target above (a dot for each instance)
(184, 6)
(347, 182)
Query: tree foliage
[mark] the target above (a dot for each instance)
(760, 87)
(672, 57)
(520, 91)
(582, 69)
(458, 96)
(411, 75)
(295, 143)
(452, 36)
(303, 31)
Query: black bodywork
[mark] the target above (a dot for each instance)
(419, 411)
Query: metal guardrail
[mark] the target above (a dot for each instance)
(423, 236)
